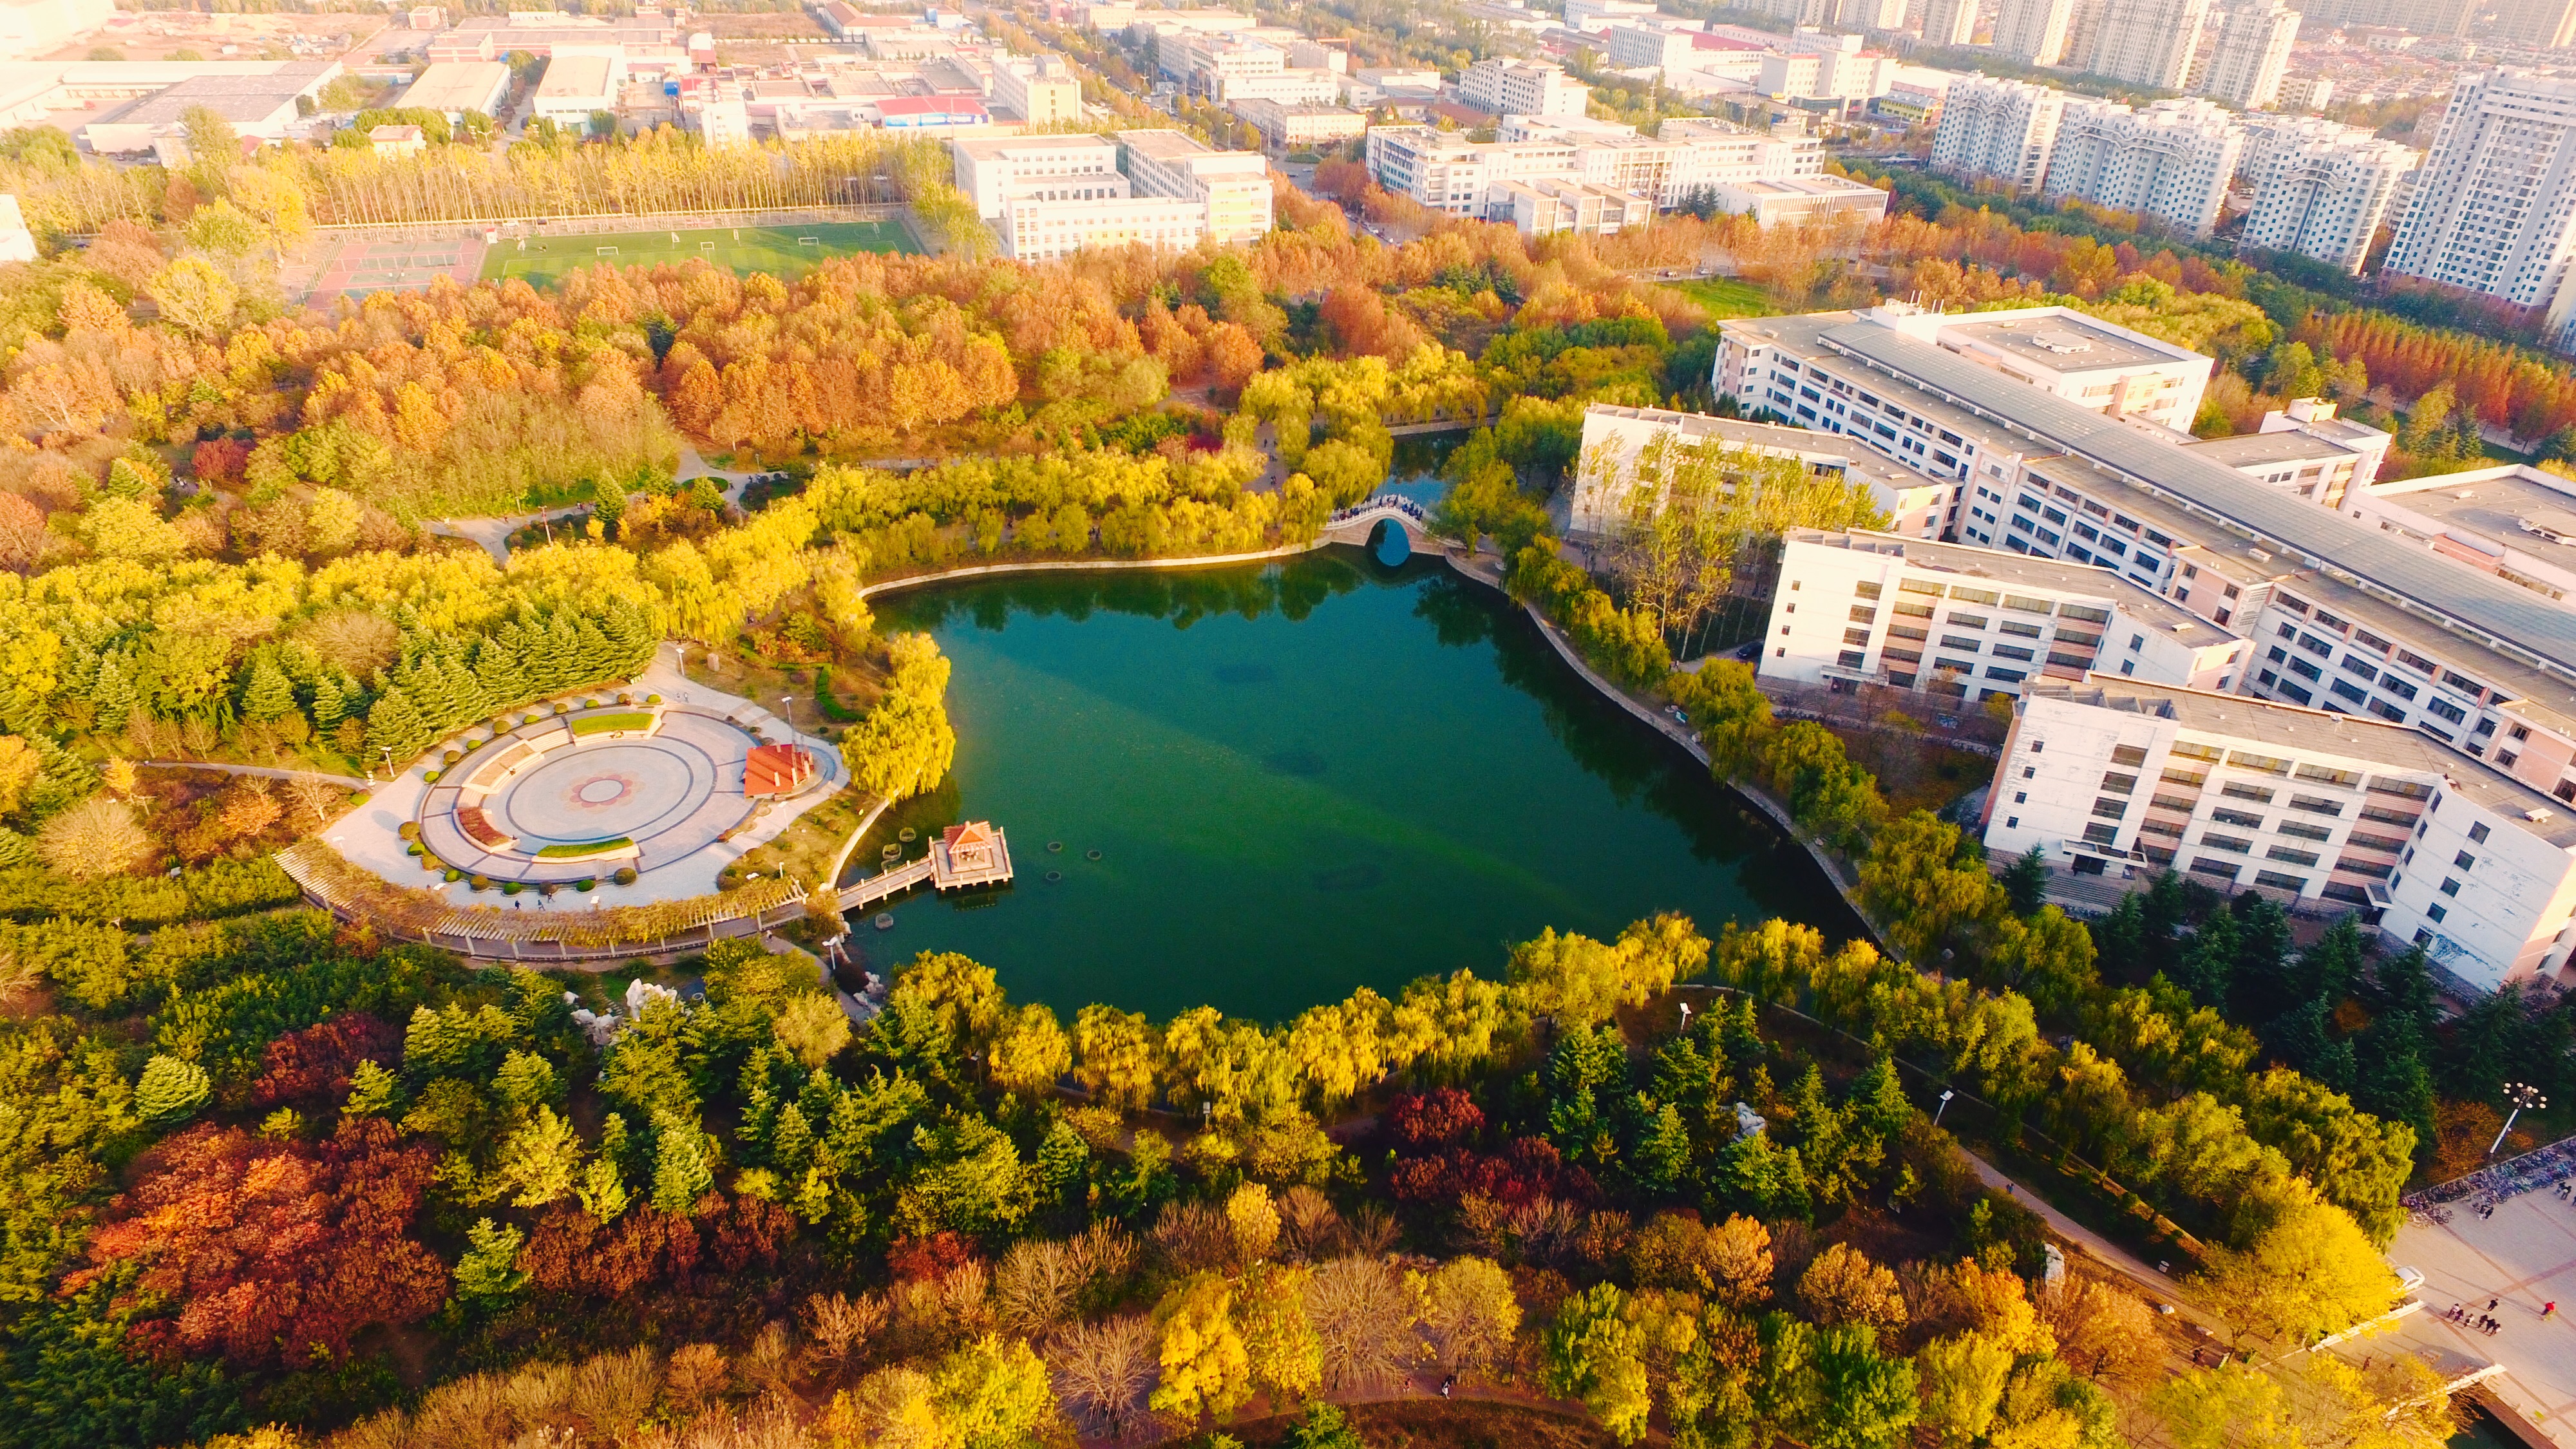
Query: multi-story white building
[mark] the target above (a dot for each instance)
(1447, 172)
(2298, 803)
(2171, 161)
(2252, 54)
(1608, 475)
(2326, 197)
(1972, 623)
(1037, 90)
(2033, 31)
(1716, 153)
(1522, 88)
(1801, 199)
(2305, 93)
(2149, 42)
(2494, 209)
(1209, 64)
(1292, 128)
(990, 168)
(2003, 129)
(1818, 65)
(1234, 186)
(1052, 221)
(1548, 206)
(1594, 15)
(1049, 196)
(1287, 88)
(1949, 22)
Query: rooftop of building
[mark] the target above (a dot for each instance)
(1813, 446)
(2508, 619)
(2063, 342)
(456, 85)
(2253, 450)
(2496, 502)
(1164, 145)
(1818, 186)
(247, 99)
(575, 75)
(994, 148)
(2296, 730)
(2004, 567)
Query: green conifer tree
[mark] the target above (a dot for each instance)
(395, 727)
(268, 695)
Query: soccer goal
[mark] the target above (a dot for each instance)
(809, 241)
(607, 251)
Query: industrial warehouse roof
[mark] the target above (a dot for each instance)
(2508, 619)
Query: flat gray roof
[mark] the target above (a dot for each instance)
(2061, 344)
(2253, 450)
(2295, 729)
(2506, 617)
(2493, 505)
(1807, 443)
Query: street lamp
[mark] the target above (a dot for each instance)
(390, 772)
(788, 703)
(1946, 1095)
(2520, 1096)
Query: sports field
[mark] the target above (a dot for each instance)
(784, 251)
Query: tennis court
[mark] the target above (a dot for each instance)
(784, 251)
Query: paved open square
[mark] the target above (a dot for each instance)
(671, 781)
(2524, 1258)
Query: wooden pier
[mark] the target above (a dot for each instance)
(964, 857)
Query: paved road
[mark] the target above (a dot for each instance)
(494, 533)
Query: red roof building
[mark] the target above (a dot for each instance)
(774, 770)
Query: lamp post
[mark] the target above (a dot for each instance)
(1946, 1095)
(390, 772)
(2519, 1096)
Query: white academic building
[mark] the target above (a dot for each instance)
(1608, 475)
(2303, 804)
(1970, 623)
(1050, 196)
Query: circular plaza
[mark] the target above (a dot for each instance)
(590, 793)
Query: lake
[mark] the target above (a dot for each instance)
(1275, 783)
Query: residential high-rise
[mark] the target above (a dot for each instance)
(2032, 31)
(2083, 34)
(2003, 129)
(2171, 161)
(2149, 42)
(1949, 22)
(2326, 197)
(2252, 55)
(2494, 210)
(2423, 17)
(2544, 24)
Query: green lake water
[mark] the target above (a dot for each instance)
(1300, 778)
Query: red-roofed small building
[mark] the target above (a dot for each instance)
(772, 771)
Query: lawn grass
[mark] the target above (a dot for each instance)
(1915, 771)
(622, 720)
(574, 850)
(1728, 296)
(542, 260)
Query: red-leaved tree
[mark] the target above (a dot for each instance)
(274, 1252)
(310, 1068)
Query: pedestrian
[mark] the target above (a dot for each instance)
(2491, 1304)
(2549, 1309)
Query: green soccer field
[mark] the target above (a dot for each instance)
(784, 251)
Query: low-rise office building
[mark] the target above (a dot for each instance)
(1800, 199)
(1234, 186)
(1522, 88)
(1971, 623)
(1548, 206)
(1037, 90)
(2306, 805)
(453, 87)
(575, 86)
(1297, 127)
